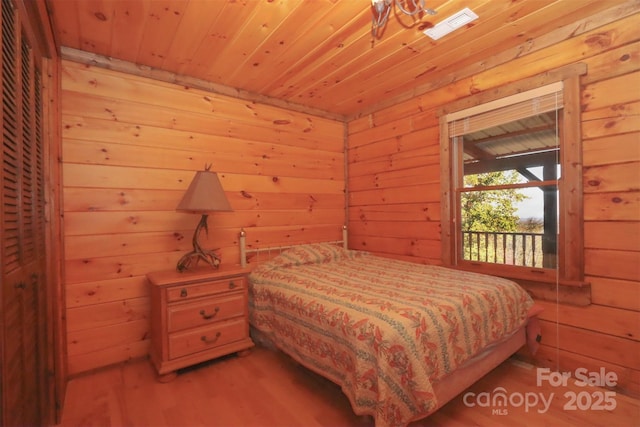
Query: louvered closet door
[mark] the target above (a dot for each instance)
(23, 319)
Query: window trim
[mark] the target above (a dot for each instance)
(570, 270)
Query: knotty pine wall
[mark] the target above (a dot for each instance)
(394, 183)
(131, 146)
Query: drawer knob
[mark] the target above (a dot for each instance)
(183, 293)
(232, 285)
(206, 316)
(206, 340)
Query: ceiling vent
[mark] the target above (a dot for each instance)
(452, 23)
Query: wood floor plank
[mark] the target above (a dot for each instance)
(268, 389)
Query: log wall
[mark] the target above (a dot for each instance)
(394, 183)
(131, 146)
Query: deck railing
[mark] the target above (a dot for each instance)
(523, 249)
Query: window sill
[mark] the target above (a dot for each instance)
(541, 284)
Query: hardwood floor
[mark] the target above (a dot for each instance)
(267, 389)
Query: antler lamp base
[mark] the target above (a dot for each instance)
(191, 259)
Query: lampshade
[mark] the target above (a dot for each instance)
(205, 194)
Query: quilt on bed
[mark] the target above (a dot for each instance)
(384, 330)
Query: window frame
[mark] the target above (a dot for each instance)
(570, 268)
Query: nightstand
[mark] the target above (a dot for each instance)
(197, 316)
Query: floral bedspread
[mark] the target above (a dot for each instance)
(384, 330)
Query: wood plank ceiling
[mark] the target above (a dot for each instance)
(311, 55)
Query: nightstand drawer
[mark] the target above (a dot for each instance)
(205, 312)
(181, 293)
(206, 338)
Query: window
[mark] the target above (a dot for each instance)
(512, 182)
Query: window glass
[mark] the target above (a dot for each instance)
(508, 194)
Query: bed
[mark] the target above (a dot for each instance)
(401, 339)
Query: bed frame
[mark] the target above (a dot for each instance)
(462, 378)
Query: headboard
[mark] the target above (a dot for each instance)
(244, 252)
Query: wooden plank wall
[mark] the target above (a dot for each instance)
(131, 146)
(394, 186)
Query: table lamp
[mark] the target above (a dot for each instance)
(204, 195)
